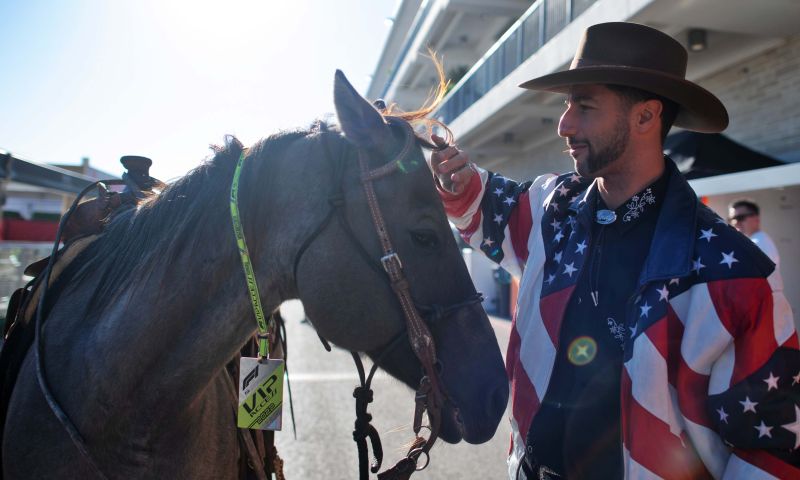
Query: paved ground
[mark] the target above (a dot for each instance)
(322, 385)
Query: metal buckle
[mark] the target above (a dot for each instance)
(390, 258)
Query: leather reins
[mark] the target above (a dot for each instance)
(431, 394)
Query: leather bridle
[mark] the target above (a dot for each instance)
(431, 394)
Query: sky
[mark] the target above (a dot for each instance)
(167, 78)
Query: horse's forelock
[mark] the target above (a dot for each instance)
(420, 117)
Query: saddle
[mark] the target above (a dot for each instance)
(81, 228)
(85, 225)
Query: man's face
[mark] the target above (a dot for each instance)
(595, 126)
(744, 220)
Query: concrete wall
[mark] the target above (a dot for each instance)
(762, 95)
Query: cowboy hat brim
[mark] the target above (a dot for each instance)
(699, 111)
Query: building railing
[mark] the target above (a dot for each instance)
(540, 23)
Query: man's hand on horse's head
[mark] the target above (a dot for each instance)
(451, 166)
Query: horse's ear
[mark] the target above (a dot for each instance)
(359, 120)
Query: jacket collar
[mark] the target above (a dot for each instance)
(582, 206)
(672, 246)
(673, 241)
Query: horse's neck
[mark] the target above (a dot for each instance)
(173, 336)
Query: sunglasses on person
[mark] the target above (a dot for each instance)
(741, 217)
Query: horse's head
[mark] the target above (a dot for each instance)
(347, 294)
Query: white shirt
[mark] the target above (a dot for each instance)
(767, 246)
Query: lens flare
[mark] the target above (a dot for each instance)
(582, 351)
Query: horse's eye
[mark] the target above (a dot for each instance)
(425, 238)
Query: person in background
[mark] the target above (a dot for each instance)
(744, 215)
(647, 342)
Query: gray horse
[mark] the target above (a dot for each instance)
(140, 327)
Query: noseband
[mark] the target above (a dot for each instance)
(431, 394)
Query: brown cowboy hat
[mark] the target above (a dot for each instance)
(634, 55)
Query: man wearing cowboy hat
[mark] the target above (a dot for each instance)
(647, 342)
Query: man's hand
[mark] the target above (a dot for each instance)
(451, 166)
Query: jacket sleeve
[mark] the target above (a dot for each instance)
(758, 414)
(495, 214)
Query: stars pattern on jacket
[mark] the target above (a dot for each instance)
(753, 414)
(504, 196)
(712, 254)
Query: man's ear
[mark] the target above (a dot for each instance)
(648, 116)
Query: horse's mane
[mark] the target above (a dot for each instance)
(173, 223)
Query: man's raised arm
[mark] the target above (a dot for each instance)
(494, 214)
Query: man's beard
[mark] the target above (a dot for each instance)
(597, 159)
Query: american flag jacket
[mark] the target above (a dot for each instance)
(711, 375)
